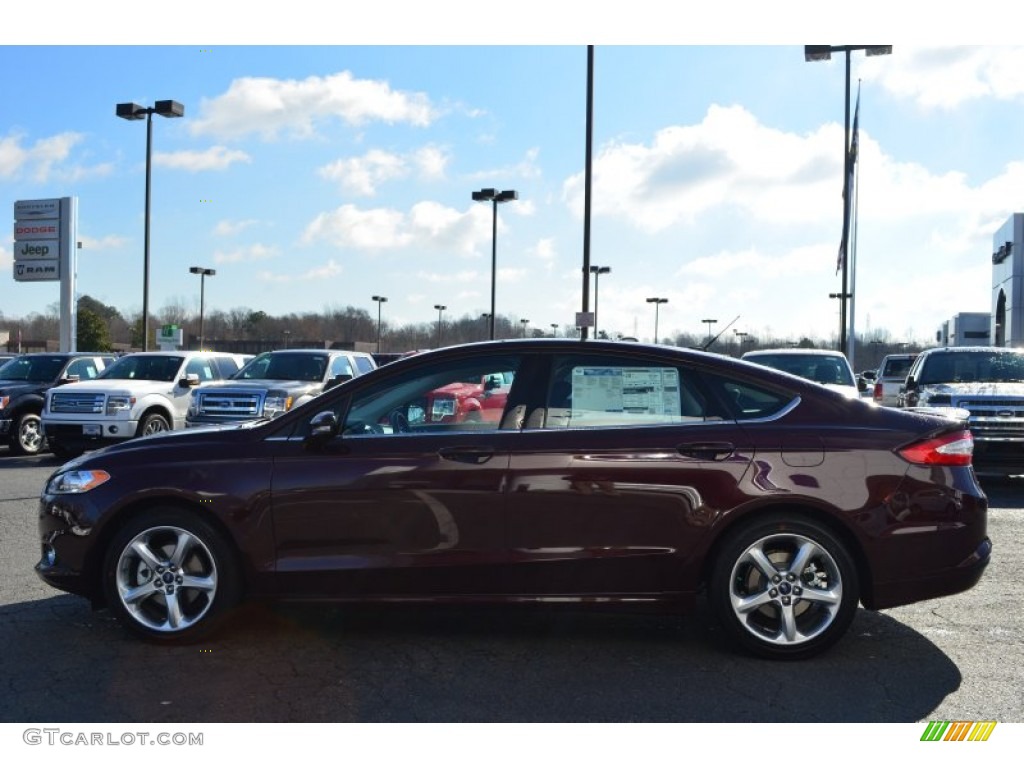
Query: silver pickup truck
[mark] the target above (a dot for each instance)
(273, 383)
(891, 374)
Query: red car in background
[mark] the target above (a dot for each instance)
(460, 402)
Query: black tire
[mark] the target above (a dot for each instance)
(152, 424)
(783, 587)
(183, 592)
(27, 435)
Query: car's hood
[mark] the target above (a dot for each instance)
(17, 386)
(846, 389)
(292, 385)
(132, 386)
(983, 388)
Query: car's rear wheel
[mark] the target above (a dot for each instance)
(784, 587)
(27, 439)
(170, 576)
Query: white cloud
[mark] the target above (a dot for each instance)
(362, 175)
(527, 168)
(107, 242)
(427, 224)
(213, 159)
(269, 107)
(255, 252)
(226, 228)
(948, 77)
(328, 270)
(37, 161)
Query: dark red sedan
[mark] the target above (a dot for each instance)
(618, 474)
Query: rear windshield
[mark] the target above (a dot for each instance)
(897, 367)
(824, 369)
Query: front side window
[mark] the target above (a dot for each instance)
(202, 367)
(84, 368)
(450, 396)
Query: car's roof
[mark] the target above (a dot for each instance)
(794, 351)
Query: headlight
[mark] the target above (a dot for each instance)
(277, 402)
(77, 481)
(118, 404)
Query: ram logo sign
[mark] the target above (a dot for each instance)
(48, 269)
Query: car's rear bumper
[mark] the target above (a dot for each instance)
(947, 582)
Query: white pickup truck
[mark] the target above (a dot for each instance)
(139, 394)
(892, 372)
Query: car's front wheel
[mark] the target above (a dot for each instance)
(27, 439)
(152, 424)
(784, 587)
(170, 576)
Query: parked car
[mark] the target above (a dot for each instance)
(273, 383)
(891, 374)
(139, 394)
(985, 382)
(823, 366)
(620, 474)
(23, 383)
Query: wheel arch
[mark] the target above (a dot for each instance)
(807, 511)
(159, 409)
(138, 507)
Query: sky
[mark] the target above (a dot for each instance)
(313, 176)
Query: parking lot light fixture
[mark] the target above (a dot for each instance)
(380, 300)
(554, 330)
(525, 323)
(440, 308)
(709, 322)
(132, 111)
(493, 196)
(203, 273)
(657, 302)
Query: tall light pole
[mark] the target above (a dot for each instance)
(824, 53)
(657, 302)
(493, 196)
(132, 111)
(486, 317)
(380, 300)
(440, 308)
(203, 273)
(597, 272)
(554, 330)
(525, 323)
(742, 337)
(710, 322)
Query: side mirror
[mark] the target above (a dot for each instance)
(190, 380)
(323, 427)
(69, 379)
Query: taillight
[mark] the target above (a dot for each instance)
(877, 395)
(952, 450)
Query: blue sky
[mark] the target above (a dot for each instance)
(312, 177)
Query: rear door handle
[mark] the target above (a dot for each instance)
(707, 451)
(467, 455)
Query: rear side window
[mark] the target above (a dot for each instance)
(748, 401)
(364, 364)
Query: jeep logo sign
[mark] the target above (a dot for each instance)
(31, 249)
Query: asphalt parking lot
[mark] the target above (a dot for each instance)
(958, 658)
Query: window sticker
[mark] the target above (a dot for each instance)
(639, 391)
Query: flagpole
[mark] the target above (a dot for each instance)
(853, 152)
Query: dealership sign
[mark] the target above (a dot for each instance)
(35, 249)
(36, 230)
(44, 269)
(37, 209)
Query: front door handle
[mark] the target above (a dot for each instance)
(707, 451)
(467, 455)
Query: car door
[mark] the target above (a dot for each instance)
(617, 476)
(394, 504)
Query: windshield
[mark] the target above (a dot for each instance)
(144, 368)
(824, 369)
(983, 366)
(285, 366)
(27, 368)
(897, 366)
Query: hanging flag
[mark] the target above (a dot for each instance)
(851, 160)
